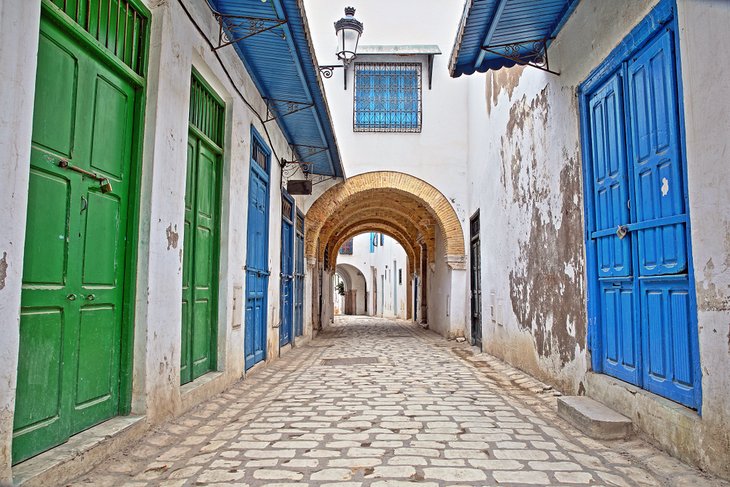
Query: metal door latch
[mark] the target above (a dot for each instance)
(621, 231)
(104, 184)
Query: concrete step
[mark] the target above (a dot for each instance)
(593, 418)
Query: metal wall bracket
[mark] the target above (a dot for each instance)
(329, 69)
(281, 108)
(234, 28)
(533, 53)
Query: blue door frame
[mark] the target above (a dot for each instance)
(286, 296)
(641, 298)
(299, 276)
(257, 252)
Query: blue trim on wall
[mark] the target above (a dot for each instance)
(662, 16)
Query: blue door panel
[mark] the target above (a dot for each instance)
(287, 282)
(656, 159)
(257, 274)
(299, 277)
(610, 182)
(668, 354)
(620, 334)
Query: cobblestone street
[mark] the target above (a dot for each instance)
(384, 403)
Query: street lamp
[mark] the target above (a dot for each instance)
(348, 30)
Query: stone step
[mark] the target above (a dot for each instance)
(593, 418)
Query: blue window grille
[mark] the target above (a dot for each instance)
(373, 243)
(387, 97)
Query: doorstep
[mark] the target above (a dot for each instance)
(593, 418)
(203, 388)
(81, 453)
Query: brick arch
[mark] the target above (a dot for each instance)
(335, 201)
(411, 251)
(403, 227)
(415, 217)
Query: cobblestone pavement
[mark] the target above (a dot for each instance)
(382, 403)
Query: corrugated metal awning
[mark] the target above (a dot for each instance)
(272, 38)
(501, 33)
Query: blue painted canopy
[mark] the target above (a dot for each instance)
(500, 23)
(282, 64)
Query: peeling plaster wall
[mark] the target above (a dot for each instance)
(525, 176)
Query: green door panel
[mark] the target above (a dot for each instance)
(201, 236)
(102, 241)
(69, 369)
(54, 112)
(200, 261)
(47, 239)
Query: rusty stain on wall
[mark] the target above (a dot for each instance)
(172, 236)
(3, 270)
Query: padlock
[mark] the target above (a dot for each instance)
(106, 186)
(621, 231)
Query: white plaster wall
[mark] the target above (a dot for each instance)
(525, 176)
(176, 46)
(17, 71)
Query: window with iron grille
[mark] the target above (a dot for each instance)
(346, 248)
(387, 97)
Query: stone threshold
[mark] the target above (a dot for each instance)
(204, 387)
(81, 453)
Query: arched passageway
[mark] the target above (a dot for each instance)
(417, 216)
(355, 289)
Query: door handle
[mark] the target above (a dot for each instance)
(71, 297)
(105, 185)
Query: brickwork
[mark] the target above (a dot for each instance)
(403, 204)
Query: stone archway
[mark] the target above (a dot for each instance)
(416, 215)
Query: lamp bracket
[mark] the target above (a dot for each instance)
(284, 162)
(276, 108)
(532, 52)
(234, 28)
(329, 69)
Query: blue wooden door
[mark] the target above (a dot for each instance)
(616, 284)
(257, 255)
(641, 227)
(660, 224)
(299, 278)
(286, 296)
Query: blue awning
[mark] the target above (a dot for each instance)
(273, 41)
(512, 31)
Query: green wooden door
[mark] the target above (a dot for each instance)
(201, 240)
(69, 368)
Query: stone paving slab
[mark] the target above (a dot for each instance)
(420, 411)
